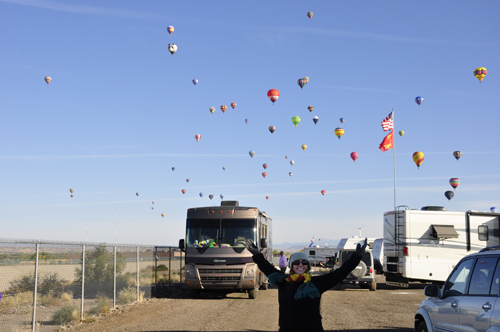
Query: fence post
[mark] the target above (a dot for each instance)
(33, 324)
(180, 267)
(83, 280)
(137, 274)
(156, 271)
(169, 266)
(114, 281)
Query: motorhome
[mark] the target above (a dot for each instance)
(425, 245)
(215, 254)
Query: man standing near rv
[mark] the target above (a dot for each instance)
(283, 263)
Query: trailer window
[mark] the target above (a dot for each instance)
(482, 232)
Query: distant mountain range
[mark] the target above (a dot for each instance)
(297, 246)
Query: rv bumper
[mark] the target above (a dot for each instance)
(223, 277)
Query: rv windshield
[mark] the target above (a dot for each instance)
(220, 232)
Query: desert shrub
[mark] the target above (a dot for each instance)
(67, 296)
(128, 295)
(162, 267)
(48, 283)
(99, 265)
(49, 300)
(12, 303)
(65, 315)
(102, 307)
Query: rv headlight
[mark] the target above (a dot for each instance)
(249, 271)
(190, 270)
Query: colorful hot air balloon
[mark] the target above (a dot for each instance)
(304, 147)
(246, 120)
(71, 195)
(342, 120)
(223, 108)
(265, 166)
(454, 182)
(310, 108)
(273, 95)
(173, 169)
(137, 194)
(449, 194)
(418, 158)
(419, 100)
(301, 82)
(315, 120)
(197, 137)
(172, 48)
(480, 73)
(195, 81)
(251, 153)
(286, 157)
(233, 105)
(163, 215)
(272, 129)
(224, 167)
(354, 156)
(401, 133)
(310, 14)
(296, 120)
(290, 173)
(201, 194)
(221, 196)
(153, 202)
(212, 110)
(323, 192)
(170, 29)
(48, 79)
(339, 132)
(264, 174)
(72, 190)
(493, 209)
(187, 180)
(457, 154)
(211, 196)
(292, 162)
(183, 191)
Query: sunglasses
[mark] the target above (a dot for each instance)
(300, 262)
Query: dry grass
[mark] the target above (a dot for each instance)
(67, 296)
(13, 303)
(129, 295)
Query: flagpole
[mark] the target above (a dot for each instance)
(394, 150)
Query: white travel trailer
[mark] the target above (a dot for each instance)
(424, 245)
(324, 255)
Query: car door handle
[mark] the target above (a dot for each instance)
(487, 306)
(454, 305)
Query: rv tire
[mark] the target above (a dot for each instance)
(264, 286)
(373, 286)
(252, 293)
(195, 293)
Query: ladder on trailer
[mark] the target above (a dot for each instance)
(399, 239)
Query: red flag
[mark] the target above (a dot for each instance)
(387, 142)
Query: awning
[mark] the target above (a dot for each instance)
(444, 232)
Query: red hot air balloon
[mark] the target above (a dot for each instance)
(197, 137)
(273, 95)
(267, 197)
(323, 192)
(264, 174)
(223, 108)
(265, 166)
(354, 156)
(183, 191)
(233, 105)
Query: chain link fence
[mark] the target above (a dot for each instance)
(46, 284)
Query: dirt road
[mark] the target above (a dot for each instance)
(352, 309)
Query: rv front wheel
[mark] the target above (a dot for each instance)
(252, 294)
(264, 286)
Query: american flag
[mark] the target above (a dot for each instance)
(387, 123)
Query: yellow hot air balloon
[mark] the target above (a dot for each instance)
(48, 79)
(418, 158)
(401, 133)
(163, 215)
(480, 73)
(304, 147)
(339, 132)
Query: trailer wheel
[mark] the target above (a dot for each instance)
(373, 286)
(252, 293)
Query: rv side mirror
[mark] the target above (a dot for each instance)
(181, 244)
(263, 243)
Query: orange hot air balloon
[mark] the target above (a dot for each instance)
(267, 197)
(264, 174)
(183, 191)
(323, 192)
(197, 137)
(273, 95)
(233, 105)
(418, 158)
(223, 108)
(310, 108)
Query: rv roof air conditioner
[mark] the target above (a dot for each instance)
(433, 208)
(229, 203)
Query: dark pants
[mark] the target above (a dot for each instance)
(283, 269)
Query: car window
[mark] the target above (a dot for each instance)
(480, 282)
(366, 258)
(457, 282)
(495, 285)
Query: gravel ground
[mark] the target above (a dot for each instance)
(351, 309)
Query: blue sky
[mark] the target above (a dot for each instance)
(121, 111)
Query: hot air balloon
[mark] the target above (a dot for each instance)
(264, 174)
(401, 133)
(480, 73)
(233, 105)
(201, 194)
(286, 157)
(137, 194)
(419, 100)
(246, 120)
(449, 194)
(173, 169)
(292, 162)
(212, 110)
(224, 167)
(354, 156)
(310, 14)
(304, 147)
(301, 82)
(197, 137)
(152, 208)
(223, 108)
(172, 48)
(187, 180)
(48, 79)
(251, 153)
(195, 81)
(221, 196)
(454, 182)
(290, 173)
(296, 120)
(183, 191)
(342, 120)
(315, 119)
(71, 195)
(493, 209)
(310, 108)
(323, 192)
(306, 79)
(457, 154)
(418, 158)
(211, 197)
(170, 29)
(273, 95)
(72, 190)
(163, 215)
(265, 166)
(272, 129)
(339, 132)
(267, 197)
(153, 202)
